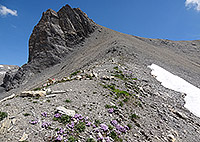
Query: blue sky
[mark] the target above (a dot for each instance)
(166, 19)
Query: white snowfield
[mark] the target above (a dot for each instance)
(176, 83)
(1, 66)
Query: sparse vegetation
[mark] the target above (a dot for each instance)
(134, 116)
(72, 139)
(62, 119)
(3, 115)
(26, 114)
(80, 127)
(68, 101)
(74, 73)
(90, 140)
(109, 106)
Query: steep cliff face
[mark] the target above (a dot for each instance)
(56, 34)
(53, 38)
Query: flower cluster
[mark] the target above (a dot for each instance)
(44, 114)
(111, 110)
(33, 122)
(46, 125)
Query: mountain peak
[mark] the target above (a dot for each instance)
(52, 39)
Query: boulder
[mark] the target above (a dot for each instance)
(63, 110)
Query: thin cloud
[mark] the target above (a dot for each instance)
(4, 11)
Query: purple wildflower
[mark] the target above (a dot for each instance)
(86, 118)
(46, 124)
(77, 116)
(61, 131)
(94, 126)
(104, 127)
(71, 125)
(88, 124)
(126, 127)
(99, 139)
(44, 114)
(120, 128)
(64, 135)
(111, 110)
(107, 139)
(59, 138)
(118, 132)
(57, 115)
(114, 122)
(33, 122)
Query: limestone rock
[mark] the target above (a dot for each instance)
(63, 110)
(33, 94)
(24, 137)
(5, 126)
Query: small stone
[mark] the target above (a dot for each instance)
(171, 138)
(24, 137)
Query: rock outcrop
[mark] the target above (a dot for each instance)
(4, 69)
(54, 37)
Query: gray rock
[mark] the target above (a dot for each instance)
(52, 39)
(63, 110)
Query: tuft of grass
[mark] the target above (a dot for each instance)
(37, 89)
(35, 102)
(134, 116)
(112, 87)
(48, 101)
(116, 68)
(110, 127)
(67, 101)
(97, 122)
(115, 137)
(72, 139)
(74, 73)
(130, 126)
(121, 104)
(134, 79)
(90, 140)
(126, 100)
(26, 114)
(109, 106)
(80, 127)
(3, 115)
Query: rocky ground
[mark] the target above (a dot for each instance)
(111, 100)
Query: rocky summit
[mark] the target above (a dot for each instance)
(87, 83)
(54, 37)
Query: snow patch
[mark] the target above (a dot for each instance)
(1, 66)
(178, 84)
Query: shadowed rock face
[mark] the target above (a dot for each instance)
(53, 38)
